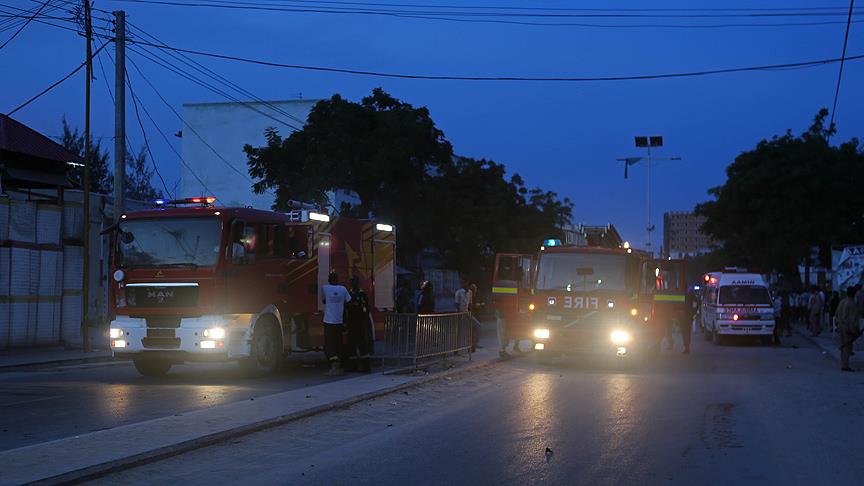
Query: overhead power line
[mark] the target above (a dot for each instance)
(507, 7)
(842, 59)
(26, 23)
(185, 124)
(58, 82)
(165, 137)
(440, 77)
(207, 72)
(540, 13)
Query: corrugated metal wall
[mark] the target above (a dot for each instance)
(42, 269)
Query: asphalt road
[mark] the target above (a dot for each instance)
(46, 404)
(734, 414)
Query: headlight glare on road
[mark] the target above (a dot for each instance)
(115, 333)
(215, 333)
(541, 333)
(620, 337)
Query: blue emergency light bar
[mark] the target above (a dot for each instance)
(203, 200)
(551, 242)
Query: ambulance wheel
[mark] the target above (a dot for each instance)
(266, 353)
(716, 338)
(151, 368)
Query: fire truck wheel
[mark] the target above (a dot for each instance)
(706, 334)
(152, 367)
(266, 355)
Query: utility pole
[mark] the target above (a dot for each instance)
(85, 291)
(119, 111)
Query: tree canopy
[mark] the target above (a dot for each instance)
(787, 196)
(403, 170)
(138, 183)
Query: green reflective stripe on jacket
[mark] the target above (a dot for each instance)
(505, 290)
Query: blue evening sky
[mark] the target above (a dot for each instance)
(559, 136)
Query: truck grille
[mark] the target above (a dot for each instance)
(165, 322)
(161, 296)
(161, 342)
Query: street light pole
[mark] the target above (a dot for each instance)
(647, 143)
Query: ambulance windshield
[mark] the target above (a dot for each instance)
(744, 295)
(166, 242)
(581, 272)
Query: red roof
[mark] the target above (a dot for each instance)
(18, 138)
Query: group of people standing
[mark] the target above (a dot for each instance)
(817, 309)
(349, 335)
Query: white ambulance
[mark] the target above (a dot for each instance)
(736, 303)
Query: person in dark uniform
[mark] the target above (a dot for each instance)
(361, 341)
(691, 305)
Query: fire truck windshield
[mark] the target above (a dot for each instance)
(581, 272)
(168, 242)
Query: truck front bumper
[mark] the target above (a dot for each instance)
(745, 328)
(190, 341)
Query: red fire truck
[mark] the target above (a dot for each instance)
(606, 301)
(205, 283)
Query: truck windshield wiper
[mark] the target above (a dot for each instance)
(191, 265)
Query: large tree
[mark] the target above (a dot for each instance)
(402, 168)
(787, 196)
(139, 177)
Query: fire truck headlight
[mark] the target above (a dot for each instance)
(208, 344)
(118, 343)
(610, 304)
(634, 312)
(215, 333)
(620, 337)
(115, 333)
(531, 307)
(541, 333)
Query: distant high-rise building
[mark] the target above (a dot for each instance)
(682, 235)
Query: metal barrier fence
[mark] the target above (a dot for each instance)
(413, 338)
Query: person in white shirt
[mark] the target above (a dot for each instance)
(462, 298)
(334, 297)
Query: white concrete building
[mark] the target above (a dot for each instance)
(224, 128)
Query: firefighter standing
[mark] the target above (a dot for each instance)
(691, 305)
(334, 297)
(360, 340)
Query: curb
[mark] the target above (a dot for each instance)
(829, 350)
(94, 472)
(53, 363)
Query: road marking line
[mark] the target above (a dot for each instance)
(23, 402)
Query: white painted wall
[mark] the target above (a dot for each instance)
(227, 127)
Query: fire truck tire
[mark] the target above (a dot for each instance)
(716, 338)
(706, 334)
(152, 367)
(267, 353)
